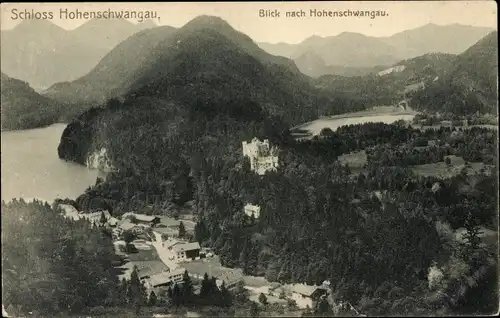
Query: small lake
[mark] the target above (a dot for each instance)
(32, 169)
(315, 126)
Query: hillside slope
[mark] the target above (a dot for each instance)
(390, 85)
(470, 85)
(23, 108)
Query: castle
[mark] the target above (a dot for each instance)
(251, 209)
(262, 156)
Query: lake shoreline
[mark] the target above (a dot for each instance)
(364, 113)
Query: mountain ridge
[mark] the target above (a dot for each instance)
(42, 53)
(387, 50)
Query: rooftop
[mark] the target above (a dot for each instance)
(305, 290)
(145, 218)
(127, 226)
(169, 222)
(165, 277)
(150, 268)
(186, 247)
(230, 276)
(165, 230)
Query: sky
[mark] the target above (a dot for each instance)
(245, 17)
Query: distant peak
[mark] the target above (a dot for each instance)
(208, 20)
(38, 24)
(92, 23)
(147, 23)
(351, 34)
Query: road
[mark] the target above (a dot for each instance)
(163, 253)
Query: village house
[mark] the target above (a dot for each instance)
(182, 252)
(230, 278)
(146, 269)
(147, 220)
(126, 225)
(251, 209)
(262, 156)
(305, 295)
(165, 279)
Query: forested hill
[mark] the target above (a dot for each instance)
(387, 85)
(23, 108)
(204, 62)
(471, 84)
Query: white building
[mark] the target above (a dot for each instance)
(183, 252)
(165, 278)
(262, 156)
(251, 209)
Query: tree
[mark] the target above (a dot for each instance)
(152, 299)
(244, 257)
(201, 232)
(326, 132)
(103, 219)
(225, 296)
(263, 299)
(205, 286)
(136, 291)
(182, 230)
(254, 310)
(187, 288)
(322, 307)
(177, 295)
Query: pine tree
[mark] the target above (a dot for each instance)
(244, 257)
(103, 219)
(153, 299)
(254, 310)
(137, 292)
(182, 230)
(187, 288)
(263, 299)
(176, 295)
(170, 292)
(205, 286)
(123, 292)
(225, 296)
(253, 259)
(201, 232)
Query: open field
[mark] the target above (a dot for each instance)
(355, 160)
(442, 170)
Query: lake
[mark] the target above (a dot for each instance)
(333, 123)
(32, 169)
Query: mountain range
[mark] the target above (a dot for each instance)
(458, 84)
(206, 63)
(42, 53)
(352, 53)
